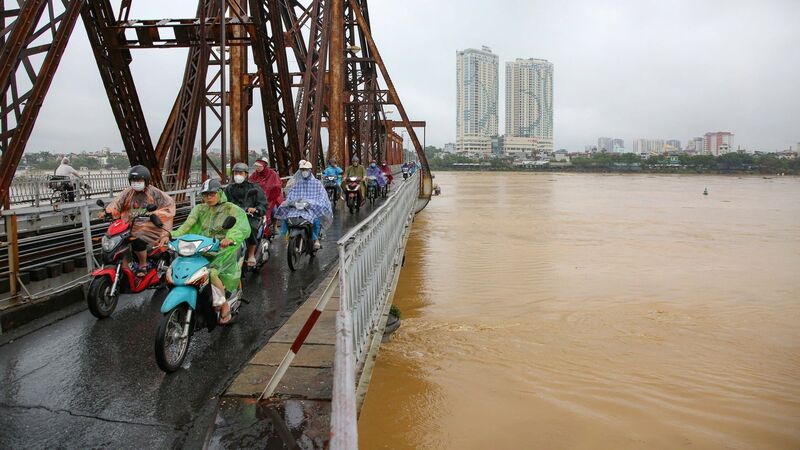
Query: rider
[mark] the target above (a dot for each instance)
(307, 188)
(131, 201)
(248, 196)
(206, 219)
(68, 174)
(270, 183)
(357, 170)
(387, 172)
(374, 171)
(333, 170)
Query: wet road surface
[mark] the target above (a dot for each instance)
(84, 383)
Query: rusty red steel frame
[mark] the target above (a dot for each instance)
(318, 71)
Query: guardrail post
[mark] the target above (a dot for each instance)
(87, 237)
(13, 253)
(36, 192)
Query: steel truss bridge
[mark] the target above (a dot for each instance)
(335, 80)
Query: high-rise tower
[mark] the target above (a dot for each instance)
(477, 84)
(529, 100)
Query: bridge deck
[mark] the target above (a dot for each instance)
(82, 383)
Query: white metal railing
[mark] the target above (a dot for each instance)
(369, 256)
(37, 190)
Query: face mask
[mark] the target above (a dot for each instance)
(305, 173)
(138, 186)
(373, 165)
(239, 179)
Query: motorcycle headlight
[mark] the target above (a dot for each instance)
(110, 243)
(199, 278)
(187, 248)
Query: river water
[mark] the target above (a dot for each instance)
(588, 311)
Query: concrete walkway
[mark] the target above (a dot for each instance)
(300, 411)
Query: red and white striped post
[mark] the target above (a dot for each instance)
(298, 341)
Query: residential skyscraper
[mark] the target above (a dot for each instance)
(695, 145)
(529, 100)
(477, 98)
(605, 143)
(611, 145)
(648, 146)
(674, 143)
(718, 143)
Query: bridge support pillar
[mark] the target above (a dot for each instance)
(13, 254)
(87, 238)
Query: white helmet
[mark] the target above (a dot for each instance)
(304, 164)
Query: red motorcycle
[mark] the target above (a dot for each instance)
(353, 191)
(116, 277)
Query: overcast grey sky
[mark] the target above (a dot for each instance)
(670, 69)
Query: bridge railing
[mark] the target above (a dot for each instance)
(36, 189)
(370, 256)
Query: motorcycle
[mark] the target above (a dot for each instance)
(188, 306)
(115, 277)
(332, 188)
(405, 172)
(263, 239)
(353, 194)
(300, 236)
(372, 189)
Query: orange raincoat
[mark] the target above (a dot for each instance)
(130, 202)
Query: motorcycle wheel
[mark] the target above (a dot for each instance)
(262, 252)
(101, 303)
(293, 252)
(170, 348)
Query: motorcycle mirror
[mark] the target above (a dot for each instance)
(100, 203)
(230, 221)
(151, 208)
(156, 221)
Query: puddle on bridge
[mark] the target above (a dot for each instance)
(245, 423)
(572, 311)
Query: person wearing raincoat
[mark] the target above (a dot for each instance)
(306, 187)
(133, 200)
(387, 172)
(374, 171)
(356, 170)
(270, 183)
(333, 170)
(206, 219)
(250, 197)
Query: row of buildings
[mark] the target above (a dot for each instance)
(528, 107)
(713, 143)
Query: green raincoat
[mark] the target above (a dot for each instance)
(207, 221)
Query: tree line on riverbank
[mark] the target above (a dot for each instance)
(628, 162)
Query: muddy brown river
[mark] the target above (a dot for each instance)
(588, 311)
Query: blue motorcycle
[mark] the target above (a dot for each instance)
(188, 306)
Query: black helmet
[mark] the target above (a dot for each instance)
(211, 185)
(240, 167)
(139, 172)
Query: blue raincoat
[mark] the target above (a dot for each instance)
(309, 189)
(377, 173)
